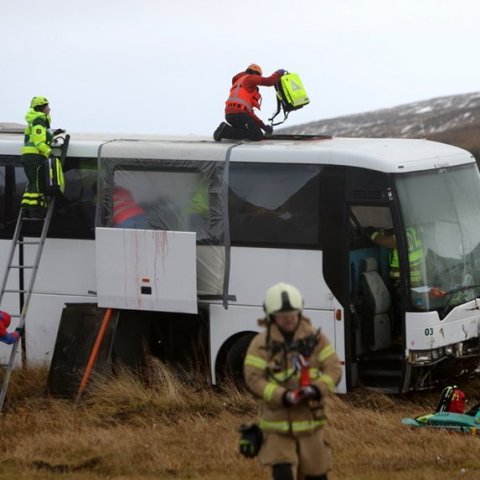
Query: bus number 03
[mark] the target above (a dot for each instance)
(428, 331)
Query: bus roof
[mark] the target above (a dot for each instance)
(381, 154)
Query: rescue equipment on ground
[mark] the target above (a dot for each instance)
(450, 415)
(251, 439)
(291, 95)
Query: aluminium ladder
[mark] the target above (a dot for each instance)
(38, 244)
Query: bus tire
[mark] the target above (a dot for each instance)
(235, 358)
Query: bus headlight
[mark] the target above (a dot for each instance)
(449, 350)
(421, 356)
(427, 356)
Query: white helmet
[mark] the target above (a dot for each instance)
(282, 297)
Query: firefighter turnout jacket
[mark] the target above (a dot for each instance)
(271, 368)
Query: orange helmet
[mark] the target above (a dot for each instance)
(255, 68)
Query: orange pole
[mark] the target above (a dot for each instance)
(94, 353)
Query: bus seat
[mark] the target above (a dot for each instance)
(376, 328)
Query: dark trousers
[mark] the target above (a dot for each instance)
(242, 127)
(35, 171)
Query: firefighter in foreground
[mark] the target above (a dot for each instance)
(35, 152)
(239, 107)
(292, 367)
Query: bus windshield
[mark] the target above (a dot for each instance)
(440, 212)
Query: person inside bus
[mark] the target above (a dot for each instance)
(386, 238)
(5, 336)
(126, 212)
(36, 150)
(242, 122)
(196, 213)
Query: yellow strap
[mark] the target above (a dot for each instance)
(284, 426)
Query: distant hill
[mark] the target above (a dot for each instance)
(454, 120)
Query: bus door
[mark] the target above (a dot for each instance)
(374, 299)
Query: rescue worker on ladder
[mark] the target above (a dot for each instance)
(35, 152)
(5, 336)
(293, 416)
(244, 97)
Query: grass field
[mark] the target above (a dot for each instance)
(178, 430)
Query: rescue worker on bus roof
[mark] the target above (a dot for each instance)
(5, 336)
(244, 96)
(275, 367)
(36, 149)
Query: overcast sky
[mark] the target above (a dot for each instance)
(158, 66)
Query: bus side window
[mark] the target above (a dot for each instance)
(12, 186)
(74, 214)
(274, 205)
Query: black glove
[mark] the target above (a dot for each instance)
(268, 129)
(58, 131)
(311, 392)
(250, 440)
(20, 330)
(292, 397)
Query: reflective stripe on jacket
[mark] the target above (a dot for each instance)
(269, 372)
(415, 258)
(240, 99)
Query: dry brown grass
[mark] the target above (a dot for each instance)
(178, 430)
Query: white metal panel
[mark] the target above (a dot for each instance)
(302, 268)
(226, 323)
(149, 270)
(424, 331)
(67, 267)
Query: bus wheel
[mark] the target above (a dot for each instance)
(235, 358)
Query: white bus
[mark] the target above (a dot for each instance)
(224, 221)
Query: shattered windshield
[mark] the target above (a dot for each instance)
(442, 207)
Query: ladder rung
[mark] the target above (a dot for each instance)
(26, 219)
(22, 266)
(15, 291)
(13, 315)
(22, 242)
